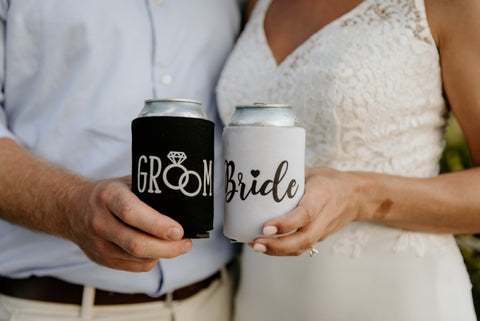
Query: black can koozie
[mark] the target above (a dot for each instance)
(172, 169)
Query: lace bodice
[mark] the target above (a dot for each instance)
(368, 90)
(366, 87)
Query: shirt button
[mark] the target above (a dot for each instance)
(159, 2)
(166, 79)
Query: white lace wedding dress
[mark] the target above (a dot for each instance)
(367, 88)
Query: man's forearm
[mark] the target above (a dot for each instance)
(34, 193)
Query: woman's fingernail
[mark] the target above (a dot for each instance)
(260, 248)
(270, 230)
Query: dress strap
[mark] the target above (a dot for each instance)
(422, 30)
(259, 11)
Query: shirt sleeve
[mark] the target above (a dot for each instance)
(4, 131)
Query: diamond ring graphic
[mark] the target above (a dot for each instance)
(177, 158)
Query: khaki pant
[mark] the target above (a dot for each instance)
(210, 304)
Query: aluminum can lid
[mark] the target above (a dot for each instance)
(260, 114)
(173, 107)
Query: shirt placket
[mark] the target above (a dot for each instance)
(162, 76)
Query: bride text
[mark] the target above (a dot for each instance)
(268, 186)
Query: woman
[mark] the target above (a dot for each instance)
(372, 82)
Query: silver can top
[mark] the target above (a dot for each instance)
(173, 107)
(260, 114)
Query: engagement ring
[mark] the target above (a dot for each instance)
(312, 252)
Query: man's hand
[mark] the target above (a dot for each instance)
(115, 229)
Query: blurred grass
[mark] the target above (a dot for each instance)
(456, 156)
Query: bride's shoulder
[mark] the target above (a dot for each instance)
(452, 18)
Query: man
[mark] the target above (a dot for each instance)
(74, 75)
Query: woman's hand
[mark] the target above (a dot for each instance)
(331, 200)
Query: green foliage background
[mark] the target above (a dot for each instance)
(456, 156)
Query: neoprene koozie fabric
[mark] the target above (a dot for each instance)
(264, 176)
(172, 169)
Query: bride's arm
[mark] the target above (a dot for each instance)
(455, 25)
(448, 203)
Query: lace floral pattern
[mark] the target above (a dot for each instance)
(351, 240)
(366, 87)
(423, 244)
(411, 14)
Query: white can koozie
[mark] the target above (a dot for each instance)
(264, 154)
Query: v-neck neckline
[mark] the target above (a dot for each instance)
(316, 34)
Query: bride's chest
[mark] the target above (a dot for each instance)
(353, 66)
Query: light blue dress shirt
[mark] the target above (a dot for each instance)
(74, 75)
